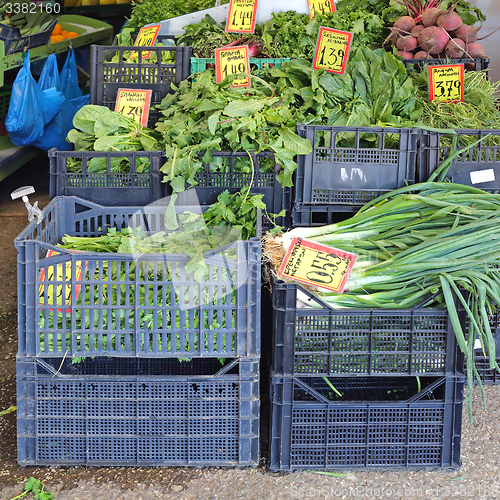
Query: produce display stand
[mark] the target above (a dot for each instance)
(89, 31)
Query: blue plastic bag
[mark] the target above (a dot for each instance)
(55, 132)
(49, 77)
(30, 107)
(69, 77)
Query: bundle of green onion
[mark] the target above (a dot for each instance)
(432, 240)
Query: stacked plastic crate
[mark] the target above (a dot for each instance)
(129, 358)
(362, 387)
(478, 166)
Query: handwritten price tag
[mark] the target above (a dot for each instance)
(241, 16)
(446, 83)
(317, 265)
(59, 294)
(146, 38)
(134, 104)
(320, 7)
(332, 50)
(232, 61)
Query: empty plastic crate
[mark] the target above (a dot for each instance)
(124, 304)
(139, 185)
(314, 340)
(14, 42)
(392, 422)
(119, 411)
(199, 64)
(350, 166)
(479, 166)
(110, 72)
(233, 171)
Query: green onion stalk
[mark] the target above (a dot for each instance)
(434, 242)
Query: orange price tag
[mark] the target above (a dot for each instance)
(317, 265)
(446, 83)
(134, 104)
(241, 16)
(146, 38)
(52, 294)
(232, 61)
(320, 7)
(332, 50)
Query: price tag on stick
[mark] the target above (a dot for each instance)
(332, 50)
(232, 61)
(320, 7)
(146, 38)
(241, 16)
(134, 104)
(317, 265)
(446, 83)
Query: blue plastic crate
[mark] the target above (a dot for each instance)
(119, 411)
(379, 423)
(140, 185)
(121, 304)
(316, 340)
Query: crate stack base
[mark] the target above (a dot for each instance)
(128, 359)
(362, 387)
(348, 167)
(122, 411)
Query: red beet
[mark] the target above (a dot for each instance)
(429, 16)
(467, 33)
(433, 40)
(455, 48)
(406, 43)
(404, 25)
(405, 54)
(417, 29)
(449, 20)
(422, 54)
(476, 50)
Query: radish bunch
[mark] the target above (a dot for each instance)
(428, 32)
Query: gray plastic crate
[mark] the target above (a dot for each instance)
(478, 167)
(317, 340)
(225, 172)
(382, 423)
(109, 303)
(138, 412)
(350, 166)
(109, 72)
(141, 185)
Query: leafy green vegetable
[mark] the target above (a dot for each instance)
(37, 488)
(97, 128)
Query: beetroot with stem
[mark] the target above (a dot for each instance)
(406, 43)
(466, 33)
(476, 50)
(433, 39)
(449, 19)
(430, 16)
(417, 29)
(404, 24)
(405, 54)
(455, 48)
(415, 7)
(422, 54)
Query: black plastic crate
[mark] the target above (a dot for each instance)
(392, 422)
(14, 42)
(225, 172)
(138, 412)
(478, 167)
(308, 215)
(350, 166)
(78, 304)
(140, 185)
(109, 72)
(488, 376)
(477, 64)
(316, 340)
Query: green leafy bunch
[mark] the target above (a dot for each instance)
(203, 116)
(153, 11)
(97, 128)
